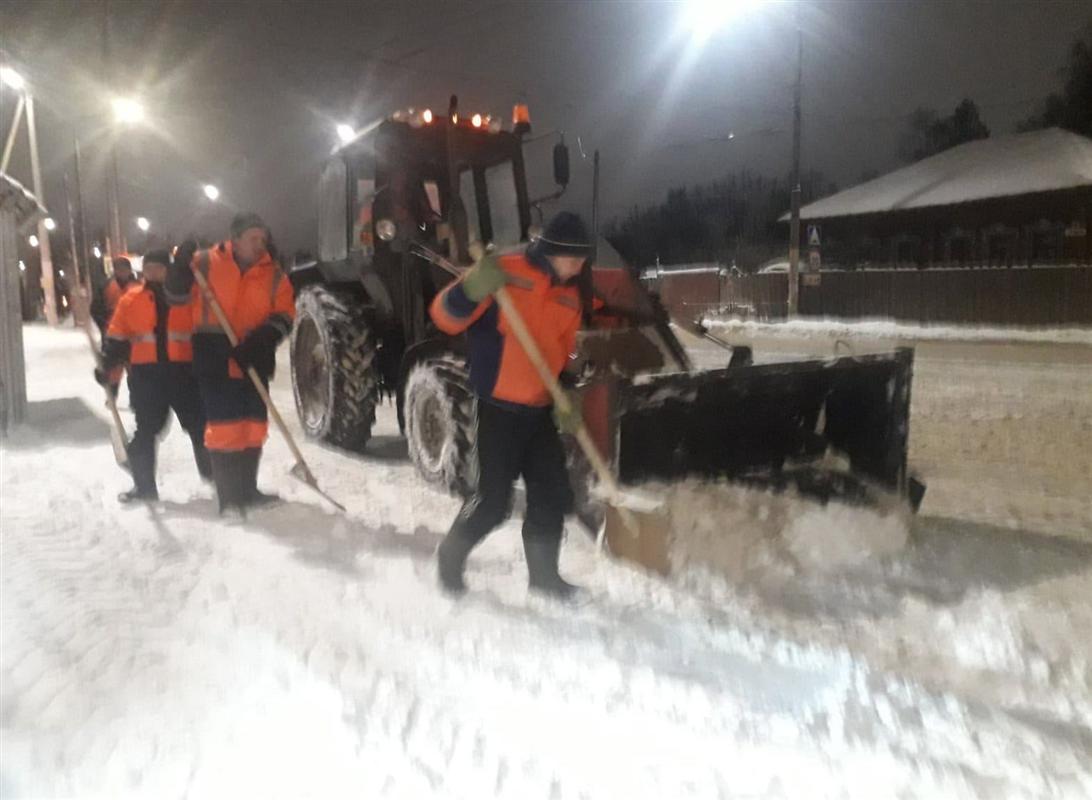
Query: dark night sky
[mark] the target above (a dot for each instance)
(247, 94)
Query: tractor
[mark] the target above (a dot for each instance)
(410, 195)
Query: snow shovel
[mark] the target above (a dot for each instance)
(117, 430)
(300, 471)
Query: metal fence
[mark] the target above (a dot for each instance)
(1036, 296)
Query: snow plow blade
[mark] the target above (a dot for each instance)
(779, 425)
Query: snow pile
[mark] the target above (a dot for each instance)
(747, 534)
(889, 329)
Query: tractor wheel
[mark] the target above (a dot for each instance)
(334, 377)
(441, 415)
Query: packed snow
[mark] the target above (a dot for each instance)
(164, 651)
(888, 329)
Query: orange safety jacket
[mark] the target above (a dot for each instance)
(258, 295)
(499, 368)
(148, 332)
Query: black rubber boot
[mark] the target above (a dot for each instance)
(542, 556)
(138, 495)
(229, 475)
(251, 458)
(142, 465)
(451, 558)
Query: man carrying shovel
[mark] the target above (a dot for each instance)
(517, 422)
(256, 297)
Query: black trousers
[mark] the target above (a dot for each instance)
(514, 443)
(154, 391)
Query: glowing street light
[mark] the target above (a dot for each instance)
(33, 240)
(128, 111)
(12, 79)
(143, 224)
(97, 251)
(22, 266)
(50, 225)
(211, 192)
(703, 18)
(345, 133)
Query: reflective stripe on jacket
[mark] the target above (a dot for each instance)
(139, 321)
(258, 295)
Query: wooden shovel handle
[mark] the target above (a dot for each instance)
(561, 399)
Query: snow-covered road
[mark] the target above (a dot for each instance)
(166, 652)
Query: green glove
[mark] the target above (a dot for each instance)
(484, 278)
(570, 420)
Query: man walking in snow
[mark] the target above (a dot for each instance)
(154, 339)
(106, 300)
(517, 425)
(257, 299)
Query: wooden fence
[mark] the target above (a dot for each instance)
(1039, 296)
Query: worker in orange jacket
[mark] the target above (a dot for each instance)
(517, 423)
(257, 298)
(154, 339)
(107, 300)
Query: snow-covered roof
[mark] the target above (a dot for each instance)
(1040, 161)
(14, 196)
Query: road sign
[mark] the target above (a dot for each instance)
(814, 262)
(813, 236)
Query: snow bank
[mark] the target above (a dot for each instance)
(747, 534)
(889, 329)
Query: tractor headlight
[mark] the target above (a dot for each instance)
(386, 230)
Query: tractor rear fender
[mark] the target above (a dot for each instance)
(347, 275)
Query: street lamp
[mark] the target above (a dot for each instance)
(345, 133)
(127, 111)
(12, 79)
(50, 225)
(702, 18)
(211, 192)
(33, 240)
(143, 224)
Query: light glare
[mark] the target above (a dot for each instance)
(50, 225)
(12, 79)
(128, 111)
(33, 240)
(345, 133)
(703, 18)
(211, 192)
(143, 224)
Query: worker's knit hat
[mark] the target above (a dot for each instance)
(565, 234)
(244, 221)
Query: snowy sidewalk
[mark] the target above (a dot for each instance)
(171, 653)
(888, 329)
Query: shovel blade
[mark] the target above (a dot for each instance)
(301, 473)
(642, 537)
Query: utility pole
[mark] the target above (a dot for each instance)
(81, 220)
(81, 298)
(794, 219)
(43, 232)
(112, 189)
(10, 143)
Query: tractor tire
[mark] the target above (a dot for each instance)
(334, 376)
(441, 415)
